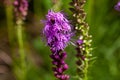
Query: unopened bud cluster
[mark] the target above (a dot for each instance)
(20, 9)
(59, 65)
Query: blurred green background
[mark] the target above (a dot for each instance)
(104, 24)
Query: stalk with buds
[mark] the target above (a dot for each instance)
(83, 44)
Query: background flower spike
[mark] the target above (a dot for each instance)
(84, 40)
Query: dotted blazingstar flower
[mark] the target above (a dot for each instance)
(57, 31)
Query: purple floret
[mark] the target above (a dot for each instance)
(117, 6)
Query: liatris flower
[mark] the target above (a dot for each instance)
(84, 42)
(21, 7)
(58, 33)
(117, 6)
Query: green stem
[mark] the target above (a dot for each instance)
(9, 16)
(86, 70)
(21, 50)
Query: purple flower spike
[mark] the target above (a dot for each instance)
(117, 6)
(20, 8)
(57, 31)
